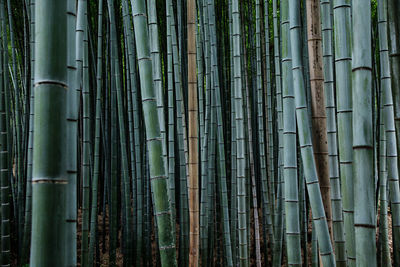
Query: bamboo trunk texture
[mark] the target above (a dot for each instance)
(292, 219)
(364, 195)
(49, 179)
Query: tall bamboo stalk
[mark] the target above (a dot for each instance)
(72, 135)
(85, 162)
(293, 247)
(240, 137)
(49, 182)
(393, 9)
(390, 130)
(364, 196)
(4, 161)
(342, 37)
(96, 164)
(159, 179)
(193, 183)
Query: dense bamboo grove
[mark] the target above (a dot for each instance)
(199, 133)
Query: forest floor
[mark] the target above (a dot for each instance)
(104, 243)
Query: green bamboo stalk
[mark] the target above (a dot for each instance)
(336, 199)
(156, 63)
(278, 87)
(159, 180)
(314, 248)
(306, 147)
(200, 93)
(293, 248)
(85, 160)
(171, 112)
(75, 37)
(96, 163)
(364, 196)
(384, 250)
(49, 180)
(393, 9)
(390, 123)
(4, 163)
(204, 180)
(342, 37)
(211, 205)
(240, 141)
(28, 196)
(8, 95)
(233, 199)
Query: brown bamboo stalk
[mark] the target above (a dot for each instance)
(193, 182)
(320, 139)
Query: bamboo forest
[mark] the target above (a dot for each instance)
(199, 133)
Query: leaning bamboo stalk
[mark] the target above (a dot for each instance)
(96, 164)
(158, 174)
(204, 209)
(306, 147)
(28, 194)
